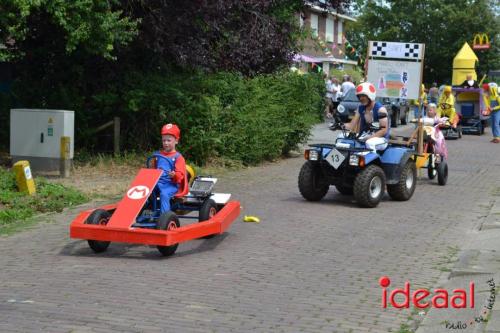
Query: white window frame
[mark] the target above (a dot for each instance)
(314, 25)
(329, 29)
(339, 31)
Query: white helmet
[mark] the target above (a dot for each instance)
(367, 89)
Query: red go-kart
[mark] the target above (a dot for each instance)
(137, 219)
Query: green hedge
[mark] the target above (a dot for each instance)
(222, 115)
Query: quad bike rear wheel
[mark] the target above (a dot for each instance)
(403, 190)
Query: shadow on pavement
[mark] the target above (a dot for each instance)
(79, 248)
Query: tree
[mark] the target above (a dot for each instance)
(442, 25)
(251, 36)
(93, 25)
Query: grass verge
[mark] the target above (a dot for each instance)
(17, 209)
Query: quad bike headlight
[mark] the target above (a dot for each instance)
(357, 160)
(340, 108)
(313, 155)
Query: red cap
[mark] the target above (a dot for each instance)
(486, 86)
(171, 129)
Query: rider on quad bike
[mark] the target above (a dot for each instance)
(369, 114)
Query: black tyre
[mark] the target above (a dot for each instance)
(369, 186)
(168, 221)
(98, 217)
(480, 129)
(403, 190)
(344, 190)
(207, 211)
(442, 171)
(431, 171)
(459, 130)
(312, 184)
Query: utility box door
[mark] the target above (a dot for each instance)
(38, 132)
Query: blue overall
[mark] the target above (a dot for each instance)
(495, 119)
(165, 185)
(365, 127)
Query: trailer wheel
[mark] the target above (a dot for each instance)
(442, 170)
(98, 217)
(168, 221)
(207, 211)
(312, 184)
(369, 186)
(403, 190)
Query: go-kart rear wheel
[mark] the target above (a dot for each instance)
(98, 217)
(369, 186)
(403, 190)
(344, 190)
(207, 211)
(168, 221)
(312, 184)
(442, 172)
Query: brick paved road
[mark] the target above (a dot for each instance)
(307, 267)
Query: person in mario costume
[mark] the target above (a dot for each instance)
(172, 163)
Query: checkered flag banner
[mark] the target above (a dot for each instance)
(409, 51)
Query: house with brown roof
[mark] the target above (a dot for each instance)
(325, 47)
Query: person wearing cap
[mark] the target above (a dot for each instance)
(172, 163)
(446, 107)
(370, 112)
(492, 107)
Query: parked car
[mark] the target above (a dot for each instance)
(398, 109)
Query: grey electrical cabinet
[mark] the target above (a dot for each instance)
(35, 135)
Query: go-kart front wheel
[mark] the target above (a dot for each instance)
(403, 190)
(207, 211)
(312, 184)
(369, 186)
(98, 217)
(168, 221)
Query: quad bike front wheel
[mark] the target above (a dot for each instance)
(312, 183)
(168, 221)
(98, 217)
(369, 186)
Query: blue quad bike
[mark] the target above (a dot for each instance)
(354, 169)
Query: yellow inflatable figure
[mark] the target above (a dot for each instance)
(446, 107)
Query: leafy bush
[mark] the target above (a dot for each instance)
(221, 115)
(224, 114)
(50, 197)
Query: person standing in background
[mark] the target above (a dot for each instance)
(434, 93)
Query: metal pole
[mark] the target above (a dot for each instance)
(116, 138)
(65, 163)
